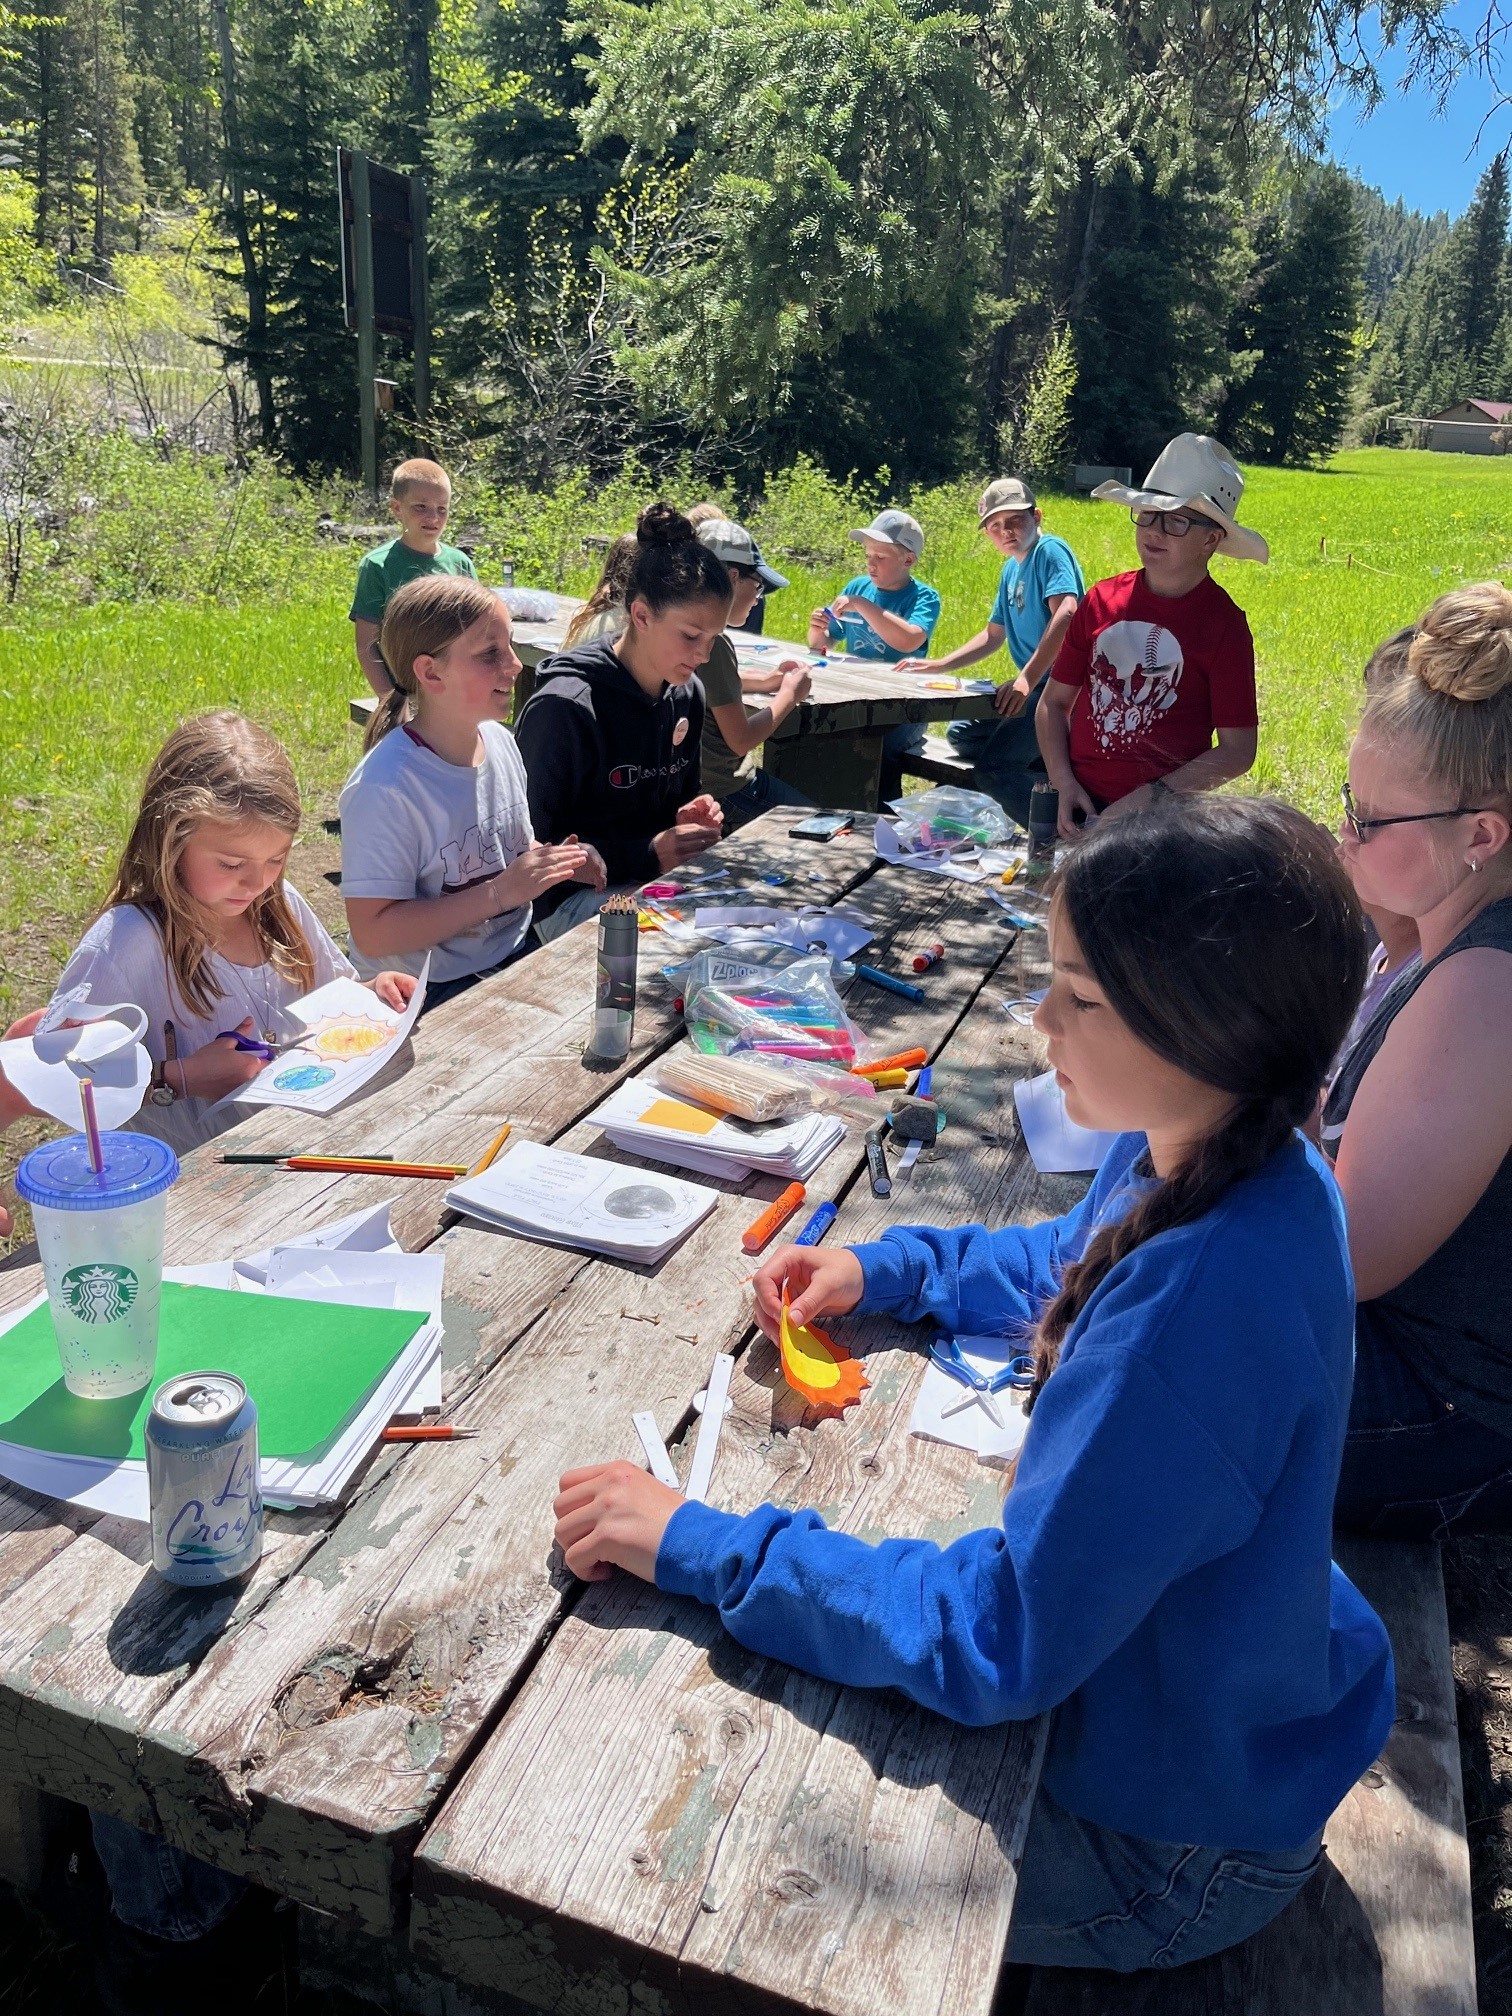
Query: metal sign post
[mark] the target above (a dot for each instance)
(385, 285)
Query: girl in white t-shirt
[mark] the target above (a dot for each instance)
(437, 851)
(200, 929)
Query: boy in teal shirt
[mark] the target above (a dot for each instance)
(1038, 592)
(420, 501)
(884, 615)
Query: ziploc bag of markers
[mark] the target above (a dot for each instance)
(789, 1017)
(951, 817)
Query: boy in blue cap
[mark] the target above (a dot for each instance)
(1038, 592)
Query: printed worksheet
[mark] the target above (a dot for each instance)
(349, 1036)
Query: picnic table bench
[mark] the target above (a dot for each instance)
(829, 748)
(491, 1783)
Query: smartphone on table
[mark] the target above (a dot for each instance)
(824, 826)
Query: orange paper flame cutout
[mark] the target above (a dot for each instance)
(823, 1371)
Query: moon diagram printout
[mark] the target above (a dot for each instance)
(349, 1036)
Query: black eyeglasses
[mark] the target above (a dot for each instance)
(744, 573)
(1361, 827)
(1175, 524)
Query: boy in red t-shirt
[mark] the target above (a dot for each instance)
(1158, 663)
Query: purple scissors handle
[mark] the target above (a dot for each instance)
(252, 1044)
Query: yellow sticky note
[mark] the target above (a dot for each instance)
(682, 1119)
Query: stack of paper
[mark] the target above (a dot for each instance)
(573, 1200)
(643, 1120)
(356, 1339)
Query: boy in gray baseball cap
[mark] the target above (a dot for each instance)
(883, 615)
(1038, 592)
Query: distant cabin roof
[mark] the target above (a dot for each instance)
(1494, 409)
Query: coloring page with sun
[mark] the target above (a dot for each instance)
(341, 1035)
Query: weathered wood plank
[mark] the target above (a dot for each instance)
(315, 1734)
(728, 1827)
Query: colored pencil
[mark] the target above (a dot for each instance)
(427, 1431)
(296, 1154)
(354, 1165)
(492, 1150)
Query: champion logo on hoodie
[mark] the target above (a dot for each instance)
(625, 776)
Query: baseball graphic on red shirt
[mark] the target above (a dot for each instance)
(1132, 682)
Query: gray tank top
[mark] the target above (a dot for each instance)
(1452, 1318)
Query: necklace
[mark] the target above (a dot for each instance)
(264, 1014)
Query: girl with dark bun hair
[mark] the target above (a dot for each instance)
(1419, 1116)
(1162, 1576)
(611, 734)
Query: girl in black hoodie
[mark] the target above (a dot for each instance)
(610, 735)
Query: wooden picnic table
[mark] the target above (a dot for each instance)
(600, 1786)
(829, 748)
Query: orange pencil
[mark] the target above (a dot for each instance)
(427, 1431)
(356, 1165)
(756, 1236)
(906, 1060)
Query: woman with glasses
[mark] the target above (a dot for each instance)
(1419, 1117)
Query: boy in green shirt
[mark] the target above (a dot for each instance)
(420, 501)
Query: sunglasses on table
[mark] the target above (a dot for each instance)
(1361, 827)
(1175, 524)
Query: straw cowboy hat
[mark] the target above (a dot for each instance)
(1194, 470)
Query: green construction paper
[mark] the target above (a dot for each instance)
(308, 1365)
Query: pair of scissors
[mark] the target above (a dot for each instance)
(1017, 1373)
(254, 1045)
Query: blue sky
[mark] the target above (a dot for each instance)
(1406, 148)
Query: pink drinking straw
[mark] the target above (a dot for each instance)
(91, 1126)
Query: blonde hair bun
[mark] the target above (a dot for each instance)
(1463, 645)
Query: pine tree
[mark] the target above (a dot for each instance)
(1300, 322)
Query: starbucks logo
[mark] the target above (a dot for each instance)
(99, 1293)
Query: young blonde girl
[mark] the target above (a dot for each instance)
(201, 930)
(437, 851)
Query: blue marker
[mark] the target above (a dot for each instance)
(923, 1082)
(818, 1225)
(894, 986)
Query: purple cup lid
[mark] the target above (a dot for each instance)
(58, 1175)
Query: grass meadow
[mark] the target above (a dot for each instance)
(1357, 549)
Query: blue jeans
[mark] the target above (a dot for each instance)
(1089, 1897)
(583, 902)
(1006, 755)
(1415, 1467)
(759, 793)
(161, 1890)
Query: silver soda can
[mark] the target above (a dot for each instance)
(207, 1516)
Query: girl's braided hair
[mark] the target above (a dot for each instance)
(1228, 938)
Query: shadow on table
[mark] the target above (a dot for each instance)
(159, 1628)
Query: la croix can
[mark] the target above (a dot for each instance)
(207, 1515)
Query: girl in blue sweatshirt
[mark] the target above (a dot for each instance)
(1162, 1576)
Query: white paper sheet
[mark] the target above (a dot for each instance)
(48, 1067)
(947, 1410)
(841, 933)
(961, 864)
(1057, 1146)
(351, 1036)
(365, 1231)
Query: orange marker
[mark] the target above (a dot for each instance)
(906, 1060)
(756, 1236)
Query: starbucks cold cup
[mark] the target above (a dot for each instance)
(100, 1235)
